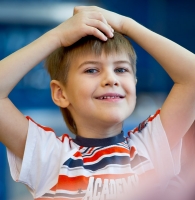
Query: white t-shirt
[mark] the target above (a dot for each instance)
(84, 168)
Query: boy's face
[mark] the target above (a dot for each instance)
(101, 90)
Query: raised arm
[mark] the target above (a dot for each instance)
(178, 111)
(13, 125)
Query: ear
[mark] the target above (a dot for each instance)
(58, 94)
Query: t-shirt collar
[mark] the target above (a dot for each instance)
(94, 142)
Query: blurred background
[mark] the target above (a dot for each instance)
(22, 21)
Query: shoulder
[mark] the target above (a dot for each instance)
(149, 137)
(44, 132)
(146, 123)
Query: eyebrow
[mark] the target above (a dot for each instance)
(123, 61)
(96, 63)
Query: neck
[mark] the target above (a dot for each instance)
(99, 131)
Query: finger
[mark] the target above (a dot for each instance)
(97, 15)
(111, 28)
(97, 33)
(105, 28)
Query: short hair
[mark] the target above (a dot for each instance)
(59, 62)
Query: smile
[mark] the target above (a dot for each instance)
(110, 96)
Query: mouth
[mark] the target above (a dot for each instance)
(110, 96)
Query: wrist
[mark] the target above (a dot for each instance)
(53, 38)
(126, 24)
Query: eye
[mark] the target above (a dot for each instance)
(91, 71)
(121, 70)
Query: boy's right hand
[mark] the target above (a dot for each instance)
(82, 24)
(115, 20)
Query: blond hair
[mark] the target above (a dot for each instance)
(59, 62)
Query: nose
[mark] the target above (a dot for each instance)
(109, 78)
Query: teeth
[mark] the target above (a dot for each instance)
(109, 97)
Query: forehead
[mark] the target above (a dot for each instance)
(102, 58)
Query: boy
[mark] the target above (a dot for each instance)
(96, 93)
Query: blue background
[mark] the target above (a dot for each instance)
(174, 19)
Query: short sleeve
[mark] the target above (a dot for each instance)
(40, 166)
(151, 142)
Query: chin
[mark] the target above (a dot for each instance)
(115, 119)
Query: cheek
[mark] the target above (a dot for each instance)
(80, 94)
(130, 90)
(129, 86)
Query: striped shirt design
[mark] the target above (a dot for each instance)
(89, 169)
